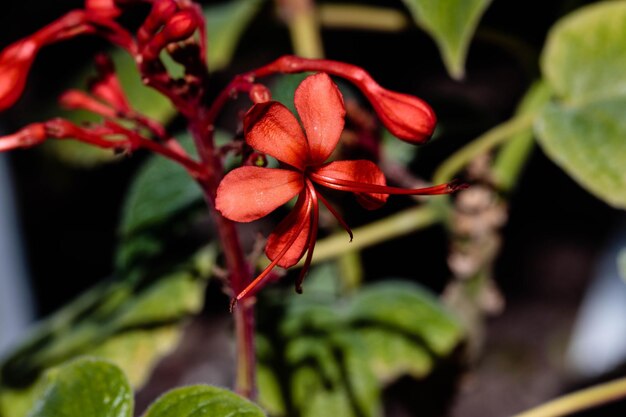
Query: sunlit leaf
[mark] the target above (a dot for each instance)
(589, 143)
(584, 57)
(202, 401)
(85, 387)
(452, 24)
(584, 130)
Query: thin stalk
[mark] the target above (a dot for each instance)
(490, 139)
(301, 19)
(580, 400)
(356, 16)
(399, 224)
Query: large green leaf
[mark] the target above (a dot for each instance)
(226, 23)
(85, 387)
(589, 143)
(584, 57)
(452, 24)
(338, 353)
(584, 130)
(202, 401)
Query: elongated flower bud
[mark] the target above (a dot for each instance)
(75, 99)
(15, 63)
(407, 117)
(26, 137)
(179, 27)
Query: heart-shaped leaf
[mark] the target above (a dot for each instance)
(589, 143)
(584, 131)
(584, 57)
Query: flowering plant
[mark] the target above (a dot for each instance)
(340, 138)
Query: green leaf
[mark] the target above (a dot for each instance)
(85, 387)
(340, 352)
(159, 191)
(96, 388)
(589, 143)
(202, 401)
(408, 308)
(451, 23)
(131, 324)
(584, 57)
(392, 355)
(226, 23)
(583, 132)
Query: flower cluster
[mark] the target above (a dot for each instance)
(177, 28)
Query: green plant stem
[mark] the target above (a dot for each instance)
(399, 224)
(580, 400)
(493, 137)
(354, 16)
(301, 19)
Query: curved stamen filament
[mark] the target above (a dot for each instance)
(250, 289)
(312, 236)
(337, 215)
(359, 187)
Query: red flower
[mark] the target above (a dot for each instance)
(249, 193)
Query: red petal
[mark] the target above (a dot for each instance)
(298, 222)
(249, 193)
(365, 172)
(272, 129)
(320, 106)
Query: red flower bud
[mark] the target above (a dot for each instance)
(28, 136)
(103, 8)
(407, 117)
(75, 99)
(260, 94)
(15, 62)
(161, 11)
(179, 27)
(106, 86)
